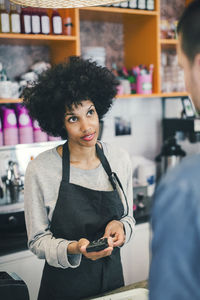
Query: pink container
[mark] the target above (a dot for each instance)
(144, 84)
(25, 126)
(54, 138)
(120, 89)
(10, 130)
(38, 134)
(1, 134)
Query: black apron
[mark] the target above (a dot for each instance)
(83, 213)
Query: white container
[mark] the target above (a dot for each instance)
(97, 54)
(134, 294)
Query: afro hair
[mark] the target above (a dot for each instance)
(67, 84)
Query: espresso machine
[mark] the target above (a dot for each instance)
(11, 184)
(171, 152)
(174, 129)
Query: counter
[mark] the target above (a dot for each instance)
(141, 284)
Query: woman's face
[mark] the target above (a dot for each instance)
(82, 124)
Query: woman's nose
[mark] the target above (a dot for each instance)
(85, 126)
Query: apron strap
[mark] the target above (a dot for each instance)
(111, 175)
(105, 165)
(65, 162)
(101, 156)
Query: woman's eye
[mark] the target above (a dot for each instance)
(90, 112)
(72, 119)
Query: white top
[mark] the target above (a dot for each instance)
(42, 182)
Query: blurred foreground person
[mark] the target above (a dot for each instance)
(175, 267)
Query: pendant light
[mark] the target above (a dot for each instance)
(63, 3)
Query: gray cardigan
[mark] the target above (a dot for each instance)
(42, 182)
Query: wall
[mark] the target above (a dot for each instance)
(145, 117)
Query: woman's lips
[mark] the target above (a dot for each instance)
(88, 137)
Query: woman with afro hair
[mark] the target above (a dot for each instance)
(86, 184)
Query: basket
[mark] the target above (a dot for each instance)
(63, 3)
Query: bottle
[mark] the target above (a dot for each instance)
(3, 75)
(67, 26)
(53, 138)
(15, 23)
(26, 21)
(1, 134)
(35, 21)
(10, 130)
(4, 18)
(56, 22)
(38, 134)
(141, 4)
(150, 4)
(24, 125)
(45, 23)
(124, 4)
(133, 4)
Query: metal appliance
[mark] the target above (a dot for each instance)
(13, 184)
(171, 152)
(13, 287)
(12, 224)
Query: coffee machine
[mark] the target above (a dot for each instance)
(171, 152)
(12, 184)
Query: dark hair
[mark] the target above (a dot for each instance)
(65, 84)
(189, 28)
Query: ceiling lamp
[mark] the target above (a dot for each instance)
(63, 3)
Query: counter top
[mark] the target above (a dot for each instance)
(141, 284)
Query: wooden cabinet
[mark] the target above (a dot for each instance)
(142, 43)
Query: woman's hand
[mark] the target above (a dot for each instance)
(115, 230)
(80, 247)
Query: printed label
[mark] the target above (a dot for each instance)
(27, 24)
(133, 3)
(45, 24)
(146, 86)
(196, 125)
(11, 119)
(36, 124)
(124, 4)
(23, 119)
(141, 4)
(57, 25)
(15, 23)
(35, 24)
(5, 25)
(150, 5)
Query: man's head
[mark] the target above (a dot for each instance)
(189, 49)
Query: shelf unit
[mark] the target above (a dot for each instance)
(142, 43)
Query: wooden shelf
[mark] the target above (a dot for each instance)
(154, 95)
(42, 37)
(174, 95)
(10, 100)
(168, 42)
(118, 10)
(114, 14)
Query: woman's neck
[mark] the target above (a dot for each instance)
(82, 157)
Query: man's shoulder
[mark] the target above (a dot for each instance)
(189, 166)
(183, 178)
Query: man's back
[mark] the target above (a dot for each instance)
(175, 268)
